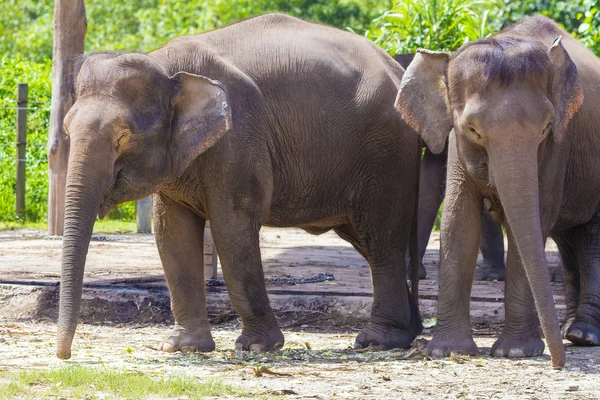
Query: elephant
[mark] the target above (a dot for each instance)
(521, 113)
(270, 121)
(431, 194)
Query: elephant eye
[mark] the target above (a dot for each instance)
(473, 131)
(123, 138)
(546, 130)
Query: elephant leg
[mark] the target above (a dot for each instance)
(569, 246)
(237, 238)
(521, 334)
(180, 242)
(461, 225)
(348, 233)
(394, 321)
(431, 194)
(585, 329)
(492, 250)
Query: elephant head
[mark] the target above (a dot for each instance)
(505, 98)
(131, 128)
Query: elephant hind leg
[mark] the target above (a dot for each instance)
(394, 321)
(571, 254)
(585, 328)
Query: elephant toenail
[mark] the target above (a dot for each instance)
(592, 338)
(516, 353)
(498, 353)
(437, 353)
(576, 333)
(277, 346)
(168, 348)
(188, 349)
(257, 348)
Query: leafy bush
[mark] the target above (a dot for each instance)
(15, 71)
(442, 25)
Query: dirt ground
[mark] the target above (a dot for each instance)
(317, 361)
(329, 370)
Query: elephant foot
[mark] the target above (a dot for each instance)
(583, 334)
(490, 273)
(188, 341)
(442, 347)
(517, 347)
(259, 342)
(380, 337)
(568, 322)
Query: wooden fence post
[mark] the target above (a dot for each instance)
(70, 27)
(143, 215)
(21, 148)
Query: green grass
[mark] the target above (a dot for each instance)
(106, 226)
(90, 382)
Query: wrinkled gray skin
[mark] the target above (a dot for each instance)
(526, 136)
(271, 121)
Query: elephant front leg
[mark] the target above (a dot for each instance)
(460, 231)
(237, 239)
(521, 334)
(180, 242)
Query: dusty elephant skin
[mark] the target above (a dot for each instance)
(271, 121)
(523, 107)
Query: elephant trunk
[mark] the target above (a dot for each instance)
(88, 178)
(515, 174)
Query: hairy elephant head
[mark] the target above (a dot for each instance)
(131, 128)
(504, 97)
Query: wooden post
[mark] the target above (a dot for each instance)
(210, 254)
(21, 148)
(70, 27)
(143, 215)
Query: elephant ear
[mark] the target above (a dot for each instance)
(200, 117)
(422, 100)
(565, 89)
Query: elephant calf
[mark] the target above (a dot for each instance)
(523, 106)
(271, 121)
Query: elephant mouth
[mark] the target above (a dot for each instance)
(105, 208)
(108, 202)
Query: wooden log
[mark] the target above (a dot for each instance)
(70, 27)
(21, 148)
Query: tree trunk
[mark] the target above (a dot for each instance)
(70, 27)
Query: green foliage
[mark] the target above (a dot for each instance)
(143, 25)
(76, 381)
(445, 25)
(37, 75)
(442, 25)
